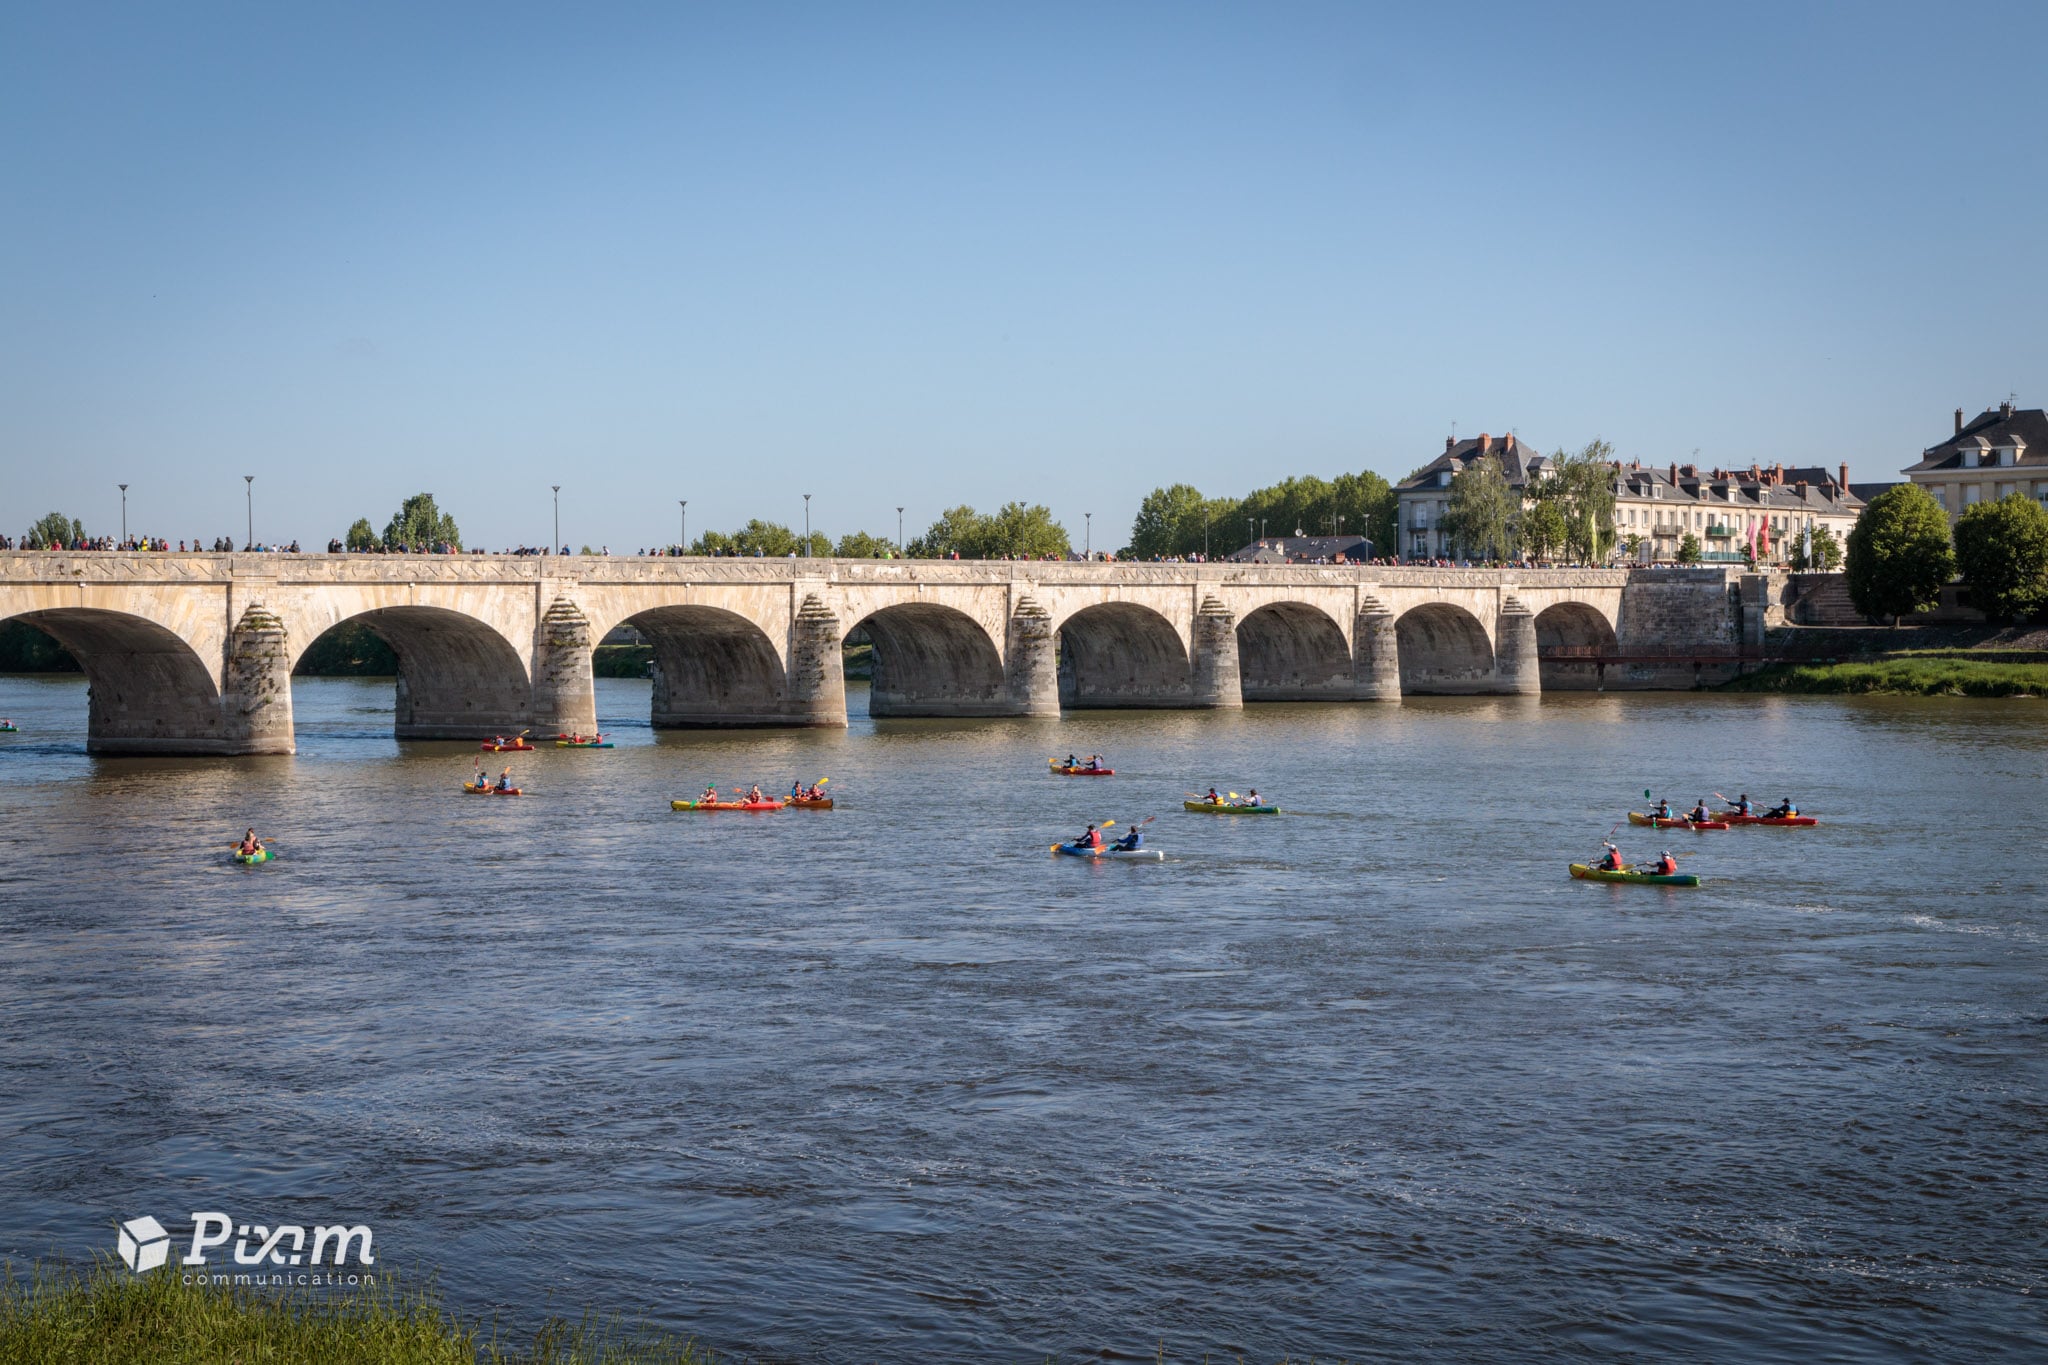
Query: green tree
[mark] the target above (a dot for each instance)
(1582, 486)
(1543, 529)
(361, 536)
(1899, 556)
(1825, 557)
(1688, 548)
(1369, 507)
(763, 539)
(2002, 553)
(1026, 532)
(1167, 520)
(1481, 510)
(53, 528)
(955, 532)
(861, 545)
(419, 522)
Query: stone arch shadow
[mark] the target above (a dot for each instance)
(1444, 650)
(1290, 651)
(932, 660)
(1119, 654)
(147, 689)
(458, 677)
(1571, 637)
(713, 669)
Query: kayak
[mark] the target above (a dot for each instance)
(261, 855)
(583, 744)
(1785, 821)
(488, 789)
(1141, 855)
(1226, 808)
(822, 803)
(1674, 822)
(1065, 771)
(725, 805)
(1594, 874)
(517, 746)
(10, 729)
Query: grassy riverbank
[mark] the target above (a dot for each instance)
(106, 1316)
(1980, 673)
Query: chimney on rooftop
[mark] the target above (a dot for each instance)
(2005, 408)
(1485, 444)
(1843, 482)
(1451, 441)
(1674, 473)
(1959, 421)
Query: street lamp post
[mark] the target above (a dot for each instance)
(558, 518)
(899, 532)
(1088, 536)
(683, 529)
(1251, 531)
(124, 515)
(249, 492)
(807, 526)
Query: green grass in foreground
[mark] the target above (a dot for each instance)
(1911, 675)
(106, 1316)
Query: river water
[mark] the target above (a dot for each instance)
(1373, 1079)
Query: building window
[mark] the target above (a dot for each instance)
(1972, 493)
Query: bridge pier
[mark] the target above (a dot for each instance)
(817, 666)
(1515, 662)
(564, 688)
(1031, 663)
(1375, 653)
(1215, 679)
(256, 703)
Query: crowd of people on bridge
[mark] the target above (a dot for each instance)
(141, 544)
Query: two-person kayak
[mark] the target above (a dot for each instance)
(506, 746)
(582, 742)
(1143, 855)
(729, 805)
(261, 855)
(489, 789)
(1228, 808)
(1736, 817)
(1599, 874)
(1079, 769)
(1674, 822)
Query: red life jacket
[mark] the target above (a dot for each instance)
(1095, 838)
(1666, 866)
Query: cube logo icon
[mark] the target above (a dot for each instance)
(144, 1244)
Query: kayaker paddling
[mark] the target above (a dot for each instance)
(1784, 810)
(1212, 798)
(1663, 811)
(1667, 866)
(505, 780)
(1090, 840)
(1133, 839)
(1253, 798)
(1610, 861)
(1699, 814)
(250, 845)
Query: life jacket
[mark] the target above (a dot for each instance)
(1095, 838)
(1699, 813)
(1666, 866)
(1610, 861)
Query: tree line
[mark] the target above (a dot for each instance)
(1178, 522)
(1902, 553)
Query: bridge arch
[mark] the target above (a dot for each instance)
(1444, 649)
(932, 660)
(458, 676)
(148, 690)
(1571, 637)
(1290, 651)
(712, 668)
(1117, 654)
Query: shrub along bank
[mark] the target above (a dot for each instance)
(1976, 673)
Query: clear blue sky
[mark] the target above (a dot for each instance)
(933, 254)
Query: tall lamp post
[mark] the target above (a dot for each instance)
(807, 526)
(556, 547)
(684, 528)
(249, 491)
(1250, 532)
(899, 533)
(124, 514)
(1088, 536)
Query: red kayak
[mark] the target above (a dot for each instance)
(515, 746)
(725, 805)
(1734, 818)
(1083, 772)
(488, 790)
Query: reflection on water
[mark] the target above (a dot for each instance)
(1373, 1079)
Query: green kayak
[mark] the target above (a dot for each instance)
(1594, 874)
(261, 855)
(1228, 808)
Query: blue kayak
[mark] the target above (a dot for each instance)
(1137, 854)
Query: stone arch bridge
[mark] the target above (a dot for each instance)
(194, 653)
